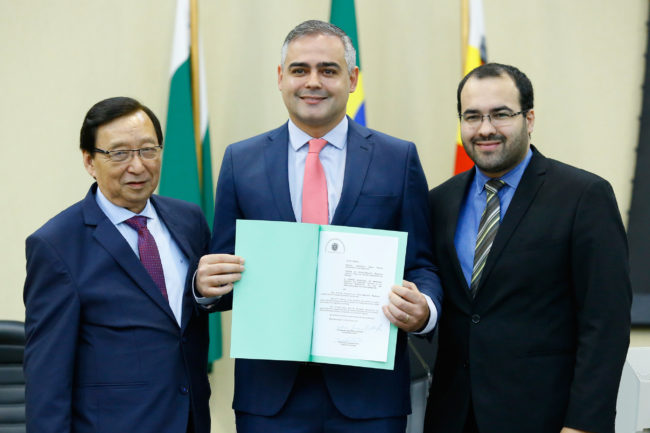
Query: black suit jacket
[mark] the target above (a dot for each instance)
(104, 351)
(543, 343)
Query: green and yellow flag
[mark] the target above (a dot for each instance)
(186, 167)
(343, 16)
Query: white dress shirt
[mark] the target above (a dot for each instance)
(174, 262)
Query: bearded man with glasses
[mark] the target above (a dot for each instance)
(533, 261)
(115, 342)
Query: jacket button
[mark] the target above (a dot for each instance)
(466, 364)
(183, 389)
(476, 318)
(184, 340)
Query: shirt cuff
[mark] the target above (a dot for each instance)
(433, 317)
(207, 303)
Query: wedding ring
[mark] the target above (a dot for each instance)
(407, 318)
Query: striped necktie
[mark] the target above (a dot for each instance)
(487, 230)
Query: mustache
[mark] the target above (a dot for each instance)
(491, 137)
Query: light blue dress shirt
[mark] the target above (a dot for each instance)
(332, 157)
(472, 209)
(174, 262)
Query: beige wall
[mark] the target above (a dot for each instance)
(585, 58)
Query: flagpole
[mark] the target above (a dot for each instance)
(196, 100)
(464, 34)
(462, 160)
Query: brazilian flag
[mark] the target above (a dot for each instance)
(343, 16)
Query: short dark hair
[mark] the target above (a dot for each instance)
(316, 27)
(108, 110)
(525, 87)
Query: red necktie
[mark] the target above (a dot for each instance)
(149, 252)
(314, 186)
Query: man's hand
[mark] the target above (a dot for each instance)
(572, 430)
(407, 308)
(217, 273)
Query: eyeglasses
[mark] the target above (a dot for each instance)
(123, 155)
(497, 118)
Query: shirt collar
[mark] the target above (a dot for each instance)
(337, 136)
(511, 178)
(117, 214)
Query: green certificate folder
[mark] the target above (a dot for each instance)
(314, 293)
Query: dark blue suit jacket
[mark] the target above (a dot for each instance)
(104, 351)
(383, 188)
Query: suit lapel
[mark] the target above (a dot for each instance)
(173, 222)
(112, 240)
(277, 169)
(357, 160)
(454, 202)
(531, 181)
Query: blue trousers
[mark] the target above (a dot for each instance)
(309, 409)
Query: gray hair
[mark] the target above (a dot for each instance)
(316, 27)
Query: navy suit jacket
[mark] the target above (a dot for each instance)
(104, 351)
(542, 344)
(383, 188)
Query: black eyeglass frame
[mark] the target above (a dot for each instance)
(461, 117)
(110, 153)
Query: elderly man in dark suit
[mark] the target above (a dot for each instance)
(115, 342)
(533, 261)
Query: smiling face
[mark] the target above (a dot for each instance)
(315, 82)
(127, 184)
(495, 151)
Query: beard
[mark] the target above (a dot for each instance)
(503, 159)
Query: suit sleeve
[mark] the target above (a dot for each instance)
(203, 235)
(204, 231)
(603, 299)
(51, 327)
(226, 213)
(419, 267)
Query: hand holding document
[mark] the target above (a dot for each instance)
(408, 308)
(216, 274)
(315, 293)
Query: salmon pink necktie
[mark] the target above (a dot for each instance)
(314, 186)
(148, 250)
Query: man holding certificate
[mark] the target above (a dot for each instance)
(323, 168)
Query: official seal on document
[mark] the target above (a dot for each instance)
(335, 246)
